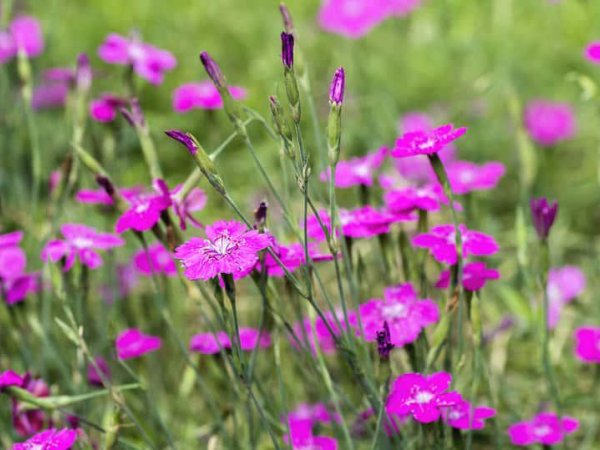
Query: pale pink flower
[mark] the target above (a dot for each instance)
(157, 260)
(95, 376)
(475, 275)
(587, 344)
(546, 428)
(106, 107)
(301, 437)
(202, 95)
(466, 176)
(49, 95)
(357, 171)
(352, 18)
(564, 285)
(51, 439)
(132, 343)
(426, 142)
(464, 416)
(549, 123)
(427, 198)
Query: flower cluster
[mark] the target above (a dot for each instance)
(15, 283)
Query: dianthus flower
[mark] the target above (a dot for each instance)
(147, 61)
(10, 378)
(301, 437)
(144, 212)
(49, 94)
(183, 207)
(466, 176)
(156, 260)
(405, 314)
(82, 242)
(425, 198)
(132, 343)
(564, 285)
(475, 275)
(549, 123)
(320, 335)
(23, 34)
(440, 241)
(106, 107)
(465, 416)
(587, 344)
(211, 343)
(95, 376)
(312, 413)
(422, 396)
(292, 257)
(202, 95)
(50, 439)
(28, 421)
(357, 171)
(543, 214)
(230, 248)
(546, 428)
(426, 142)
(15, 284)
(100, 196)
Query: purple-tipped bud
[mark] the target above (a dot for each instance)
(336, 90)
(260, 216)
(185, 139)
(384, 341)
(212, 69)
(83, 74)
(134, 115)
(288, 23)
(287, 49)
(543, 214)
(106, 184)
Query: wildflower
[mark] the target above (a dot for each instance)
(312, 413)
(351, 18)
(465, 416)
(27, 421)
(101, 197)
(251, 337)
(147, 61)
(144, 212)
(212, 70)
(292, 257)
(384, 342)
(564, 285)
(106, 107)
(132, 343)
(549, 123)
(337, 87)
(426, 198)
(475, 275)
(334, 121)
(230, 248)
(357, 171)
(15, 284)
(195, 200)
(391, 423)
(51, 439)
(546, 428)
(156, 260)
(80, 241)
(301, 437)
(466, 176)
(592, 52)
(405, 314)
(210, 343)
(587, 344)
(49, 95)
(202, 95)
(320, 335)
(426, 142)
(422, 396)
(24, 34)
(287, 50)
(94, 375)
(19, 287)
(10, 378)
(543, 214)
(440, 241)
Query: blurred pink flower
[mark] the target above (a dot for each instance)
(50, 439)
(95, 376)
(144, 212)
(466, 176)
(440, 241)
(313, 413)
(15, 284)
(405, 314)
(23, 34)
(592, 52)
(80, 241)
(426, 142)
(357, 171)
(587, 344)
(564, 285)
(210, 343)
(475, 275)
(422, 396)
(321, 335)
(202, 95)
(106, 107)
(28, 421)
(148, 62)
(49, 95)
(100, 197)
(132, 343)
(465, 416)
(292, 256)
(549, 123)
(426, 198)
(156, 260)
(301, 437)
(10, 378)
(546, 428)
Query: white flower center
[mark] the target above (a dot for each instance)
(222, 245)
(466, 177)
(142, 208)
(362, 170)
(455, 414)
(394, 311)
(82, 242)
(542, 430)
(423, 397)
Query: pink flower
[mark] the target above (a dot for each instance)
(546, 428)
(549, 122)
(440, 241)
(423, 397)
(321, 335)
(156, 260)
(592, 52)
(18, 288)
(564, 285)
(210, 343)
(426, 198)
(202, 95)
(147, 61)
(405, 314)
(50, 439)
(15, 284)
(301, 437)
(144, 212)
(401, 8)
(49, 95)
(80, 241)
(132, 343)
(195, 200)
(106, 107)
(251, 337)
(426, 142)
(95, 376)
(292, 257)
(351, 18)
(230, 248)
(100, 197)
(465, 416)
(475, 275)
(466, 176)
(587, 344)
(28, 421)
(10, 378)
(312, 413)
(357, 171)
(23, 34)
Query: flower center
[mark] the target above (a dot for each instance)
(455, 414)
(82, 242)
(142, 208)
(423, 397)
(222, 245)
(542, 430)
(394, 311)
(362, 170)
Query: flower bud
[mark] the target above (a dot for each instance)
(334, 124)
(213, 70)
(338, 84)
(287, 50)
(384, 342)
(260, 217)
(543, 214)
(83, 73)
(134, 115)
(288, 23)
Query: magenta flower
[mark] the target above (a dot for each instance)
(465, 416)
(195, 200)
(320, 334)
(132, 343)
(18, 288)
(592, 52)
(587, 344)
(144, 212)
(357, 171)
(424, 397)
(10, 378)
(543, 214)
(100, 196)
(440, 241)
(251, 337)
(230, 248)
(405, 314)
(27, 421)
(106, 107)
(546, 428)
(82, 242)
(49, 95)
(312, 413)
(475, 275)
(337, 87)
(401, 8)
(95, 376)
(466, 176)
(426, 142)
(564, 285)
(24, 34)
(15, 284)
(351, 18)
(292, 257)
(147, 61)
(156, 260)
(549, 123)
(301, 437)
(210, 343)
(426, 198)
(50, 439)
(202, 95)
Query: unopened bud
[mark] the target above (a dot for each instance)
(134, 115)
(212, 69)
(287, 50)
(83, 73)
(288, 23)
(334, 124)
